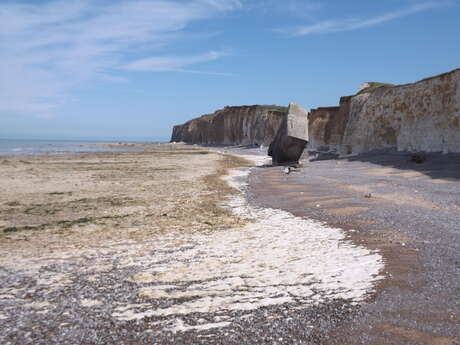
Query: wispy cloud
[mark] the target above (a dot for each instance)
(298, 8)
(329, 26)
(171, 63)
(48, 48)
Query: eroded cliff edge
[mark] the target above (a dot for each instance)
(244, 125)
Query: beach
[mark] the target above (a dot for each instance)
(161, 243)
(409, 213)
(164, 243)
(65, 218)
(82, 199)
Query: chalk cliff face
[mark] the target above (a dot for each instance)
(423, 116)
(326, 126)
(245, 125)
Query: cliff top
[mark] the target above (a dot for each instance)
(209, 117)
(371, 87)
(272, 107)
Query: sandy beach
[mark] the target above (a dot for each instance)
(87, 199)
(181, 244)
(67, 220)
(162, 245)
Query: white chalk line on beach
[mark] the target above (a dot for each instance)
(275, 259)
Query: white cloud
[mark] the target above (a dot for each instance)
(171, 63)
(300, 8)
(47, 49)
(329, 26)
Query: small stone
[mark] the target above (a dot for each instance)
(151, 293)
(418, 158)
(143, 277)
(89, 302)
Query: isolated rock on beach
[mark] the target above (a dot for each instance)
(297, 122)
(292, 137)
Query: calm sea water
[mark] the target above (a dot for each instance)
(33, 147)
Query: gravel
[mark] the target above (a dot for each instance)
(406, 210)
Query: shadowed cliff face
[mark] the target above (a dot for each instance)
(326, 126)
(245, 125)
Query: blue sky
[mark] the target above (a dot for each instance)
(112, 69)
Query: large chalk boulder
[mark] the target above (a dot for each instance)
(291, 138)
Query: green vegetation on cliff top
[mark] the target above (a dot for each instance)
(274, 108)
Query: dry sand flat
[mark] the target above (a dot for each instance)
(81, 200)
(133, 247)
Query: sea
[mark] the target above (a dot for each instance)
(53, 147)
